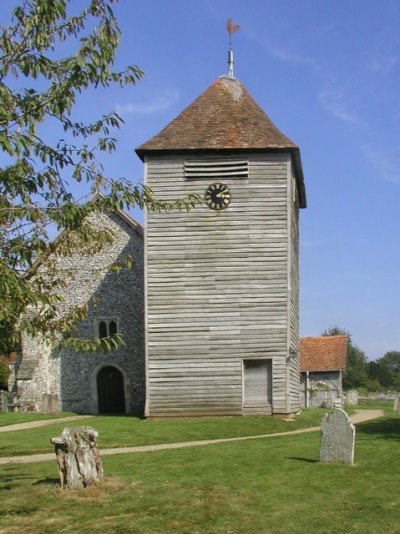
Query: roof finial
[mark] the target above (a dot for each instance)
(231, 30)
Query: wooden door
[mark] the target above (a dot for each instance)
(110, 390)
(257, 394)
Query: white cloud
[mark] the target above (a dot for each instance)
(283, 54)
(160, 103)
(279, 52)
(336, 103)
(383, 163)
(383, 63)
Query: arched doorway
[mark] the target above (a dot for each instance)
(110, 390)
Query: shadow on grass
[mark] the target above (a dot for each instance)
(119, 416)
(388, 428)
(26, 510)
(9, 479)
(298, 459)
(49, 481)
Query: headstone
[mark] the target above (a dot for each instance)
(3, 400)
(78, 459)
(338, 402)
(396, 405)
(352, 397)
(51, 403)
(337, 438)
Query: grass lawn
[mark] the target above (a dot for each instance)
(127, 431)
(259, 486)
(13, 418)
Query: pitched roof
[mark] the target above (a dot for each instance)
(96, 198)
(225, 117)
(325, 353)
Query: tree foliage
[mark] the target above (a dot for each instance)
(4, 373)
(356, 374)
(37, 174)
(386, 370)
(380, 374)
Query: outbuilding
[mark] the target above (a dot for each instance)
(322, 364)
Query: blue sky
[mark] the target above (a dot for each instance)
(327, 74)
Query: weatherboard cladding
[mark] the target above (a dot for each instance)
(293, 296)
(217, 290)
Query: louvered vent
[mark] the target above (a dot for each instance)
(198, 169)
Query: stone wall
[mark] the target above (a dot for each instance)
(49, 380)
(321, 389)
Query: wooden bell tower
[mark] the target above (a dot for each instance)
(222, 281)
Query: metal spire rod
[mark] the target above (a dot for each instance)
(230, 63)
(231, 30)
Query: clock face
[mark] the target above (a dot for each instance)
(217, 196)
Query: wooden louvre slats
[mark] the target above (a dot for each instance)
(196, 169)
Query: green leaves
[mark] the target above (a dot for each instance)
(38, 173)
(105, 344)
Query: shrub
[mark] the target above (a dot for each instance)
(4, 373)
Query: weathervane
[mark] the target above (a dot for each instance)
(231, 30)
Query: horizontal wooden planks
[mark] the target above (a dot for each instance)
(217, 288)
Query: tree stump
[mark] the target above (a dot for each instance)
(78, 459)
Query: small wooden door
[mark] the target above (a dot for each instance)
(110, 390)
(257, 394)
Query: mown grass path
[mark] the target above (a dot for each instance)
(38, 424)
(359, 417)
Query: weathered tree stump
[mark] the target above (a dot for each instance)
(78, 459)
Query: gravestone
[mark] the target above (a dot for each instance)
(337, 438)
(396, 405)
(78, 459)
(352, 397)
(338, 402)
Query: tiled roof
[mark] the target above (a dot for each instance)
(225, 117)
(325, 353)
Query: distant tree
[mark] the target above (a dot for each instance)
(387, 370)
(336, 331)
(4, 373)
(356, 374)
(36, 171)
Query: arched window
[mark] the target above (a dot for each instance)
(112, 328)
(102, 329)
(107, 327)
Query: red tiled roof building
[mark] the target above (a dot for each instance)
(322, 363)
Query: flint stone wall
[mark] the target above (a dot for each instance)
(49, 380)
(324, 397)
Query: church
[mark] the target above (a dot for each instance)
(210, 310)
